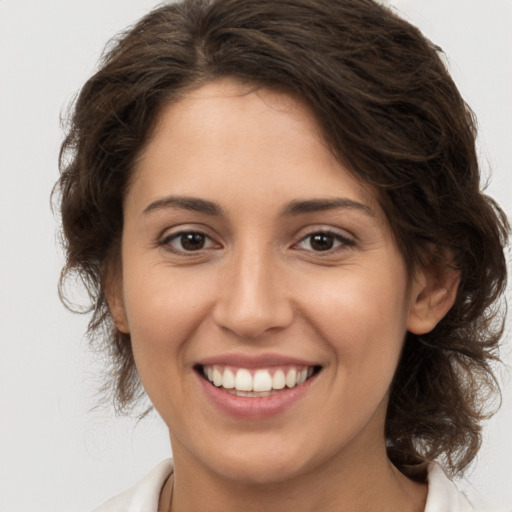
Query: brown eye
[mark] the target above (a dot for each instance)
(187, 241)
(324, 241)
(321, 242)
(192, 241)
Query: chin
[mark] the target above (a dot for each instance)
(261, 463)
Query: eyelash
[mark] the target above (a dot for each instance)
(167, 241)
(342, 242)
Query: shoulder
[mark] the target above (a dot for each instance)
(443, 496)
(144, 496)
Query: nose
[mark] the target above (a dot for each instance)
(252, 301)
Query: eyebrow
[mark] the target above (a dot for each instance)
(299, 207)
(296, 207)
(185, 203)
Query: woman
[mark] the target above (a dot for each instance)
(275, 208)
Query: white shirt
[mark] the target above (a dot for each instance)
(443, 496)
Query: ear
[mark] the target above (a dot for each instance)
(433, 292)
(113, 286)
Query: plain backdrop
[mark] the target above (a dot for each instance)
(58, 453)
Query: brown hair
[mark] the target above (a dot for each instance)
(389, 111)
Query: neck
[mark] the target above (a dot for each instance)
(369, 484)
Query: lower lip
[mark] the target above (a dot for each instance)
(254, 407)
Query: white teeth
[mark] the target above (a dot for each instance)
(243, 380)
(262, 381)
(244, 383)
(278, 380)
(291, 378)
(250, 393)
(228, 380)
(217, 377)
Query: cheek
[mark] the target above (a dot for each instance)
(366, 304)
(163, 307)
(164, 311)
(362, 320)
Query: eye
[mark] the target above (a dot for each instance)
(187, 241)
(323, 241)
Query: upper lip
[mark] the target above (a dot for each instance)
(254, 361)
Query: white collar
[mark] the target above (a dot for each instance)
(443, 496)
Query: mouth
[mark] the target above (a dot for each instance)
(256, 382)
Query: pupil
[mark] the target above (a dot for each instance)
(192, 241)
(322, 242)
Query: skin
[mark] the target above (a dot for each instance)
(259, 285)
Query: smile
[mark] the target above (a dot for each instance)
(257, 382)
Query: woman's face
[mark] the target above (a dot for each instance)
(253, 259)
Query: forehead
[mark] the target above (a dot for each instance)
(227, 131)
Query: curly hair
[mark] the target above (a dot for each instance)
(389, 111)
